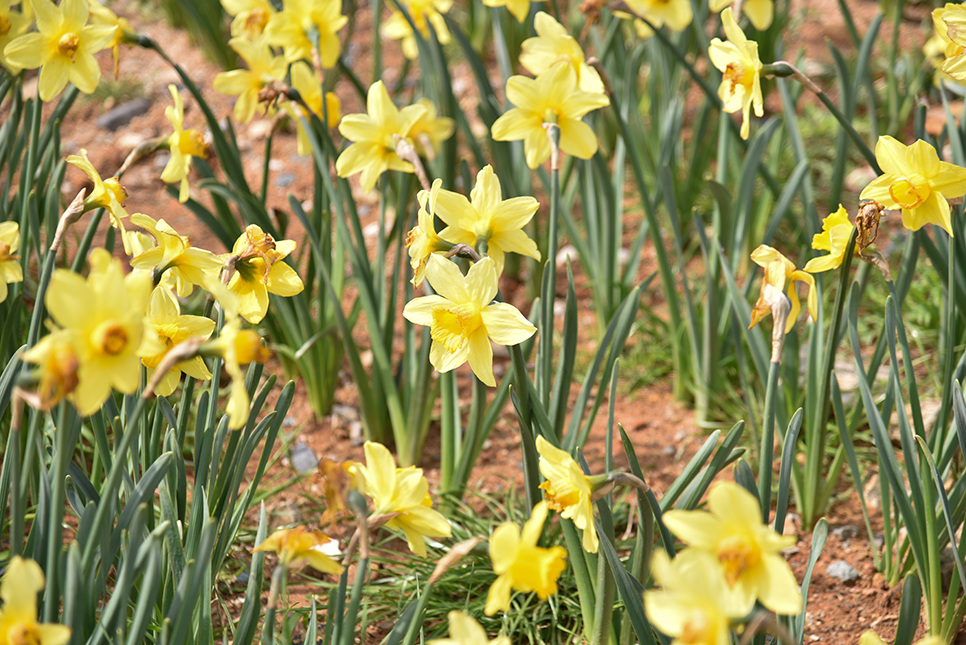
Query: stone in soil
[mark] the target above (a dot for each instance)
(303, 458)
(842, 570)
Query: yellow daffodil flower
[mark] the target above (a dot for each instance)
(21, 583)
(431, 130)
(834, 238)
(914, 180)
(373, 151)
(487, 217)
(522, 565)
(737, 58)
(778, 270)
(184, 145)
(732, 540)
(423, 13)
(694, 605)
(107, 194)
(760, 12)
(519, 8)
(10, 269)
(263, 68)
(63, 47)
(567, 491)
(310, 87)
(463, 318)
(423, 241)
(105, 315)
(12, 25)
(869, 637)
(299, 546)
(290, 29)
(950, 23)
(554, 45)
(164, 315)
(250, 16)
(403, 491)
(58, 368)
(552, 97)
(676, 14)
(464, 630)
(173, 255)
(257, 269)
(123, 31)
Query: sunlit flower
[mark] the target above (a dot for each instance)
(250, 16)
(63, 47)
(522, 565)
(760, 12)
(57, 373)
(423, 14)
(21, 583)
(174, 255)
(256, 269)
(404, 491)
(552, 97)
(778, 270)
(914, 180)
(422, 241)
(676, 14)
(10, 269)
(463, 317)
(290, 29)
(554, 45)
(123, 31)
(374, 149)
(164, 315)
(950, 23)
(184, 145)
(263, 68)
(299, 546)
(834, 238)
(737, 59)
(694, 605)
(107, 194)
(487, 217)
(519, 8)
(310, 87)
(12, 24)
(732, 540)
(464, 630)
(567, 490)
(431, 130)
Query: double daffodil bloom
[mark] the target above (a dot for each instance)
(914, 180)
(257, 269)
(567, 491)
(373, 151)
(63, 47)
(173, 255)
(184, 145)
(951, 29)
(12, 25)
(400, 491)
(834, 238)
(737, 58)
(58, 368)
(522, 565)
(431, 130)
(250, 16)
(554, 45)
(694, 605)
(732, 541)
(463, 318)
(552, 97)
(21, 583)
(310, 87)
(164, 316)
(290, 29)
(299, 546)
(10, 269)
(422, 241)
(519, 8)
(778, 270)
(487, 217)
(423, 14)
(760, 13)
(676, 14)
(263, 68)
(107, 194)
(464, 630)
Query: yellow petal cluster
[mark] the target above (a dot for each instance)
(737, 59)
(553, 45)
(950, 23)
(263, 68)
(915, 180)
(310, 88)
(10, 269)
(464, 630)
(834, 238)
(568, 491)
(174, 256)
(778, 271)
(299, 546)
(12, 25)
(760, 13)
(676, 14)
(107, 194)
(257, 268)
(163, 314)
(423, 13)
(519, 8)
(123, 31)
(431, 130)
(21, 583)
(250, 16)
(290, 29)
(422, 241)
(184, 146)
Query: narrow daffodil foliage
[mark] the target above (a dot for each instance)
(299, 546)
(174, 256)
(553, 45)
(779, 270)
(184, 145)
(250, 16)
(567, 491)
(263, 68)
(915, 180)
(834, 238)
(732, 541)
(402, 493)
(256, 268)
(760, 12)
(291, 27)
(164, 316)
(737, 59)
(423, 13)
(21, 583)
(10, 269)
(519, 8)
(107, 194)
(520, 564)
(463, 317)
(551, 98)
(464, 630)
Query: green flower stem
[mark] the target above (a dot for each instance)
(586, 590)
(17, 501)
(27, 177)
(449, 430)
(766, 454)
(417, 621)
(603, 632)
(544, 368)
(266, 159)
(948, 345)
(932, 578)
(55, 512)
(348, 635)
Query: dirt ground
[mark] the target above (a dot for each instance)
(663, 431)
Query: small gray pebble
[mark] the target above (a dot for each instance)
(123, 113)
(285, 180)
(242, 578)
(303, 458)
(847, 532)
(842, 570)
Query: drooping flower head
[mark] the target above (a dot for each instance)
(519, 8)
(950, 23)
(250, 16)
(263, 68)
(423, 14)
(567, 491)
(12, 25)
(737, 58)
(676, 14)
(778, 271)
(422, 241)
(760, 12)
(463, 317)
(431, 130)
(173, 255)
(10, 269)
(732, 541)
(554, 45)
(21, 583)
(520, 564)
(123, 31)
(256, 269)
(107, 194)
(310, 87)
(915, 180)
(290, 29)
(298, 546)
(57, 374)
(464, 630)
(184, 145)
(164, 316)
(834, 238)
